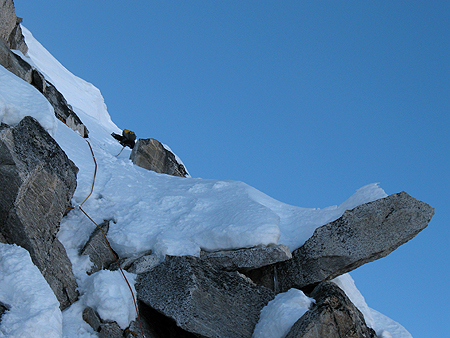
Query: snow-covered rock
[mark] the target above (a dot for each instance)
(150, 212)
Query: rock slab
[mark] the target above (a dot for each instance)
(151, 154)
(10, 31)
(247, 259)
(332, 316)
(37, 181)
(98, 249)
(361, 235)
(202, 299)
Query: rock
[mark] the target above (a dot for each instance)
(10, 31)
(14, 63)
(364, 234)
(91, 317)
(151, 154)
(3, 308)
(144, 264)
(247, 259)
(202, 299)
(63, 111)
(19, 67)
(155, 325)
(332, 316)
(37, 181)
(110, 330)
(98, 250)
(105, 329)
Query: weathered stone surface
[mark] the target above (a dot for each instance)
(98, 250)
(91, 317)
(247, 259)
(110, 330)
(151, 154)
(332, 316)
(155, 325)
(14, 63)
(144, 264)
(37, 181)
(10, 31)
(63, 110)
(201, 299)
(364, 234)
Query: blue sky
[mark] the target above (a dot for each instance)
(305, 100)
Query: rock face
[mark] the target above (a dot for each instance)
(332, 316)
(63, 111)
(247, 259)
(37, 181)
(10, 31)
(201, 299)
(364, 234)
(11, 38)
(14, 63)
(151, 154)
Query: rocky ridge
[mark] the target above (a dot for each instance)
(219, 294)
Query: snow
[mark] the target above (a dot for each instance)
(108, 294)
(33, 306)
(148, 211)
(19, 99)
(278, 316)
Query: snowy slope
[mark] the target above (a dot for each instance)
(167, 214)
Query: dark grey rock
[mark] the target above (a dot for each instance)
(63, 111)
(14, 63)
(247, 259)
(110, 330)
(202, 299)
(333, 316)
(10, 31)
(98, 250)
(19, 67)
(155, 325)
(151, 154)
(37, 181)
(91, 317)
(3, 308)
(364, 234)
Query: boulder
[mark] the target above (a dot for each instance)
(247, 259)
(362, 235)
(333, 316)
(202, 299)
(151, 154)
(37, 181)
(10, 31)
(98, 249)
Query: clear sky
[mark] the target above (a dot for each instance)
(304, 100)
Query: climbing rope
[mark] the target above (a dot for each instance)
(104, 234)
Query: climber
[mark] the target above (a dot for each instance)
(127, 139)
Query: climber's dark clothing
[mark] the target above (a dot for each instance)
(127, 139)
